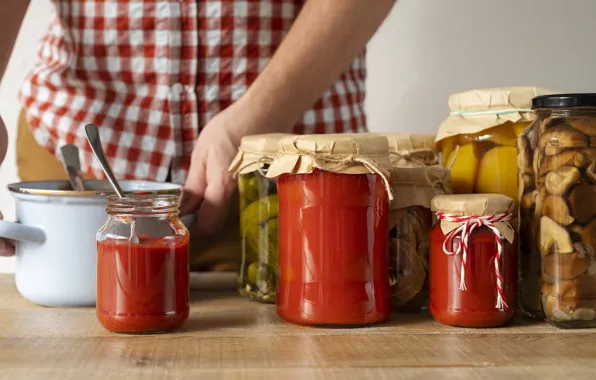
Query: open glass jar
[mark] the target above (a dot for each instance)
(560, 218)
(142, 265)
(478, 140)
(473, 261)
(333, 223)
(257, 278)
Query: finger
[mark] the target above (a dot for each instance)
(194, 188)
(214, 208)
(6, 247)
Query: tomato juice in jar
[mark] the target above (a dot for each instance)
(473, 261)
(142, 265)
(333, 225)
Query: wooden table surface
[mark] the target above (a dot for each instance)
(228, 337)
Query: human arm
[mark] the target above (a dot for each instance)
(11, 17)
(322, 43)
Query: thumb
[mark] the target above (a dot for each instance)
(194, 189)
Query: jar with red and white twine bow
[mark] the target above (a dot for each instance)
(473, 260)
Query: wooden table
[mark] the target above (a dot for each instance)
(228, 337)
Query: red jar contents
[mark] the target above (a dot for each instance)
(478, 304)
(144, 287)
(333, 254)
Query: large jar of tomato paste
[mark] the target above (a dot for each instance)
(333, 195)
(257, 278)
(473, 260)
(142, 265)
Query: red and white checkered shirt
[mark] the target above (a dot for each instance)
(152, 73)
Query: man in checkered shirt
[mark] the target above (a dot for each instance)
(174, 84)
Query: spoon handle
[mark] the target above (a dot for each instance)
(95, 143)
(72, 166)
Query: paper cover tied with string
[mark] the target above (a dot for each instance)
(411, 150)
(254, 152)
(364, 153)
(479, 138)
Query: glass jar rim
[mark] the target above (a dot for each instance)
(143, 204)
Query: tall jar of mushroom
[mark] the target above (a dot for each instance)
(557, 166)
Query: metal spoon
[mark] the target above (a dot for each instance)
(95, 143)
(72, 166)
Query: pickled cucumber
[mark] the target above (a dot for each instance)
(248, 186)
(258, 227)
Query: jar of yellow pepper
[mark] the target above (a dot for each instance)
(478, 139)
(257, 278)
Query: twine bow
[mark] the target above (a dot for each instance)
(422, 156)
(467, 225)
(260, 163)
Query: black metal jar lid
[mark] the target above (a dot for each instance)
(564, 100)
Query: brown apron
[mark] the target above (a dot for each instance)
(218, 253)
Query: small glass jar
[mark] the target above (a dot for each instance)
(465, 292)
(333, 230)
(478, 140)
(257, 278)
(410, 222)
(562, 226)
(142, 265)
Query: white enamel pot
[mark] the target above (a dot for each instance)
(55, 238)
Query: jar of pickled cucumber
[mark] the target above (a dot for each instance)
(257, 277)
(478, 139)
(557, 163)
(410, 223)
(411, 150)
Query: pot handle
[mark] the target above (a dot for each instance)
(21, 232)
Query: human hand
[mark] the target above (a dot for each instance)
(3, 140)
(209, 185)
(6, 246)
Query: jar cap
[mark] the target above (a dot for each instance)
(564, 100)
(358, 153)
(474, 205)
(411, 150)
(338, 153)
(254, 151)
(418, 186)
(477, 110)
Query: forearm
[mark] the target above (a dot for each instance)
(322, 43)
(12, 13)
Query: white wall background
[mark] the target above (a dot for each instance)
(426, 50)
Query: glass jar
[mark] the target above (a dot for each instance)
(563, 161)
(478, 139)
(410, 222)
(333, 229)
(470, 249)
(529, 255)
(257, 278)
(142, 265)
